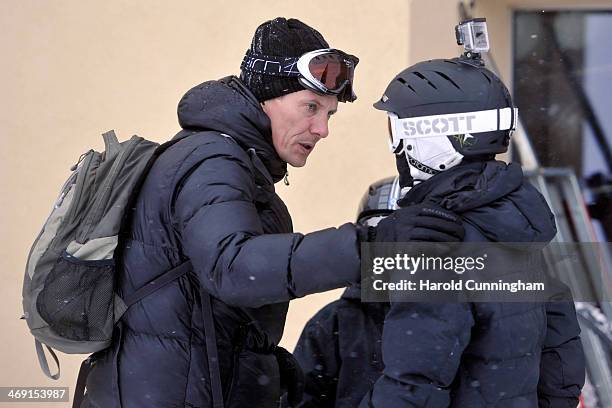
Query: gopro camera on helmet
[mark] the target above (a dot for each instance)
(473, 35)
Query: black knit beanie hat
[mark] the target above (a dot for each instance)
(282, 38)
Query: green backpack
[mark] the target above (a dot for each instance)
(69, 298)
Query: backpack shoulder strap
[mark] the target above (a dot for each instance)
(208, 320)
(211, 349)
(157, 283)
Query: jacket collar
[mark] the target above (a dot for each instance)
(228, 106)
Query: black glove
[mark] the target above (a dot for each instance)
(422, 222)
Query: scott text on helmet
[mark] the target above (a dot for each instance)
(424, 127)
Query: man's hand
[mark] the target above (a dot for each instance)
(422, 222)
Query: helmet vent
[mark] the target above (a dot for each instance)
(485, 75)
(403, 82)
(423, 77)
(443, 75)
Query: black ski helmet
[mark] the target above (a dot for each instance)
(447, 86)
(379, 200)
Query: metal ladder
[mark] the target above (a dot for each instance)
(561, 190)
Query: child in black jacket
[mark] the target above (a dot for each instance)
(459, 355)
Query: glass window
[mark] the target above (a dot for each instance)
(563, 87)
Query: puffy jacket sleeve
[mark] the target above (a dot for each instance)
(221, 233)
(562, 367)
(318, 355)
(422, 347)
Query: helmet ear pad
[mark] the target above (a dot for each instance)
(480, 144)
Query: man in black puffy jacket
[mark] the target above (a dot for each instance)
(450, 354)
(210, 199)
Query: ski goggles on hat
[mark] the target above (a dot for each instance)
(326, 71)
(452, 124)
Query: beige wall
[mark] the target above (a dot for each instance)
(432, 30)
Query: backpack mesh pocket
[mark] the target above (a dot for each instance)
(77, 299)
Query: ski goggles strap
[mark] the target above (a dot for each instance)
(270, 65)
(452, 124)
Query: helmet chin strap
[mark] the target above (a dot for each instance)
(410, 173)
(403, 169)
(406, 174)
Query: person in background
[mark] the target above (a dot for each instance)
(340, 346)
(449, 354)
